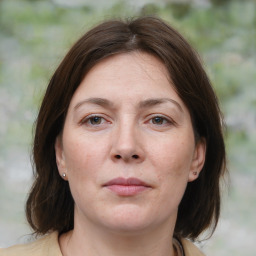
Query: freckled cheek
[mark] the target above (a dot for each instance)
(82, 176)
(83, 157)
(171, 160)
(172, 169)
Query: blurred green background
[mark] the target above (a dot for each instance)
(36, 34)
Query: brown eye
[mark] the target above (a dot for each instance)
(158, 120)
(95, 120)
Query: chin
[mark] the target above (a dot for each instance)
(128, 228)
(130, 220)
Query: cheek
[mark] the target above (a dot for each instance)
(172, 157)
(81, 156)
(79, 145)
(82, 172)
(173, 166)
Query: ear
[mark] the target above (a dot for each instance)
(60, 158)
(198, 160)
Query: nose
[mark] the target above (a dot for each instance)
(127, 145)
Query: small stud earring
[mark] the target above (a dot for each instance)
(195, 173)
(64, 175)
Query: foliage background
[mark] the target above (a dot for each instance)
(36, 34)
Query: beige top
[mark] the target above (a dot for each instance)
(49, 246)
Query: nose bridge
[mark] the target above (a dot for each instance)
(126, 135)
(126, 144)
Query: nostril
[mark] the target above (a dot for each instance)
(135, 156)
(117, 156)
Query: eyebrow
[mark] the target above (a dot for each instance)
(97, 101)
(143, 104)
(157, 101)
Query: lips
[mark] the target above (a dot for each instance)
(126, 187)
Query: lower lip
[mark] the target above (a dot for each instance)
(125, 190)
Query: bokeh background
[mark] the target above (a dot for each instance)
(36, 34)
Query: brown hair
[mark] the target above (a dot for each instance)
(50, 205)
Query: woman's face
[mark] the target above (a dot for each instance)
(127, 146)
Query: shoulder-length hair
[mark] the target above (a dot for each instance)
(50, 205)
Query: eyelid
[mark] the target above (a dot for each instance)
(167, 118)
(89, 116)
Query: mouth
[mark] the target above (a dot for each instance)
(127, 187)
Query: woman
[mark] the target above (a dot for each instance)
(128, 147)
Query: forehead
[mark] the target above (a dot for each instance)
(136, 71)
(132, 66)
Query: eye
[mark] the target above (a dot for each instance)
(159, 120)
(93, 120)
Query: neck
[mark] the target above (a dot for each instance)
(93, 241)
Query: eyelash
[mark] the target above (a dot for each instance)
(164, 121)
(87, 120)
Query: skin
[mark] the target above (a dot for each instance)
(114, 129)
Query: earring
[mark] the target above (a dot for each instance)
(195, 173)
(64, 175)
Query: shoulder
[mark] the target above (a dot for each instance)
(190, 249)
(45, 246)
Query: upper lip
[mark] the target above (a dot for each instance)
(126, 182)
